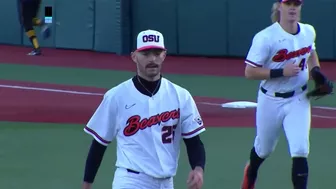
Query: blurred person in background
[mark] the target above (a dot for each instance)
(28, 12)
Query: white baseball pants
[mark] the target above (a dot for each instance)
(293, 115)
(124, 179)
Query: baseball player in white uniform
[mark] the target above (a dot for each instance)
(281, 56)
(148, 116)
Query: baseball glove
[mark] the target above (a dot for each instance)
(321, 90)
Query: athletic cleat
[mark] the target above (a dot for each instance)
(245, 184)
(35, 52)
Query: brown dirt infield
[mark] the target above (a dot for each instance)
(51, 103)
(36, 105)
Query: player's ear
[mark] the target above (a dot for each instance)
(164, 54)
(133, 56)
(278, 6)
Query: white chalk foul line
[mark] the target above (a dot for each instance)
(50, 90)
(209, 103)
(325, 117)
(101, 94)
(325, 108)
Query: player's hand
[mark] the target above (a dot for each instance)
(195, 179)
(86, 185)
(291, 70)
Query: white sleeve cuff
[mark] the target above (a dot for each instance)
(193, 133)
(95, 135)
(252, 63)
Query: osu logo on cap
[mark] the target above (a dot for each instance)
(151, 38)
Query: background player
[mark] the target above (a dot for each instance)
(28, 11)
(148, 115)
(281, 55)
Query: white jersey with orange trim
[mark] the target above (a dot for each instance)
(273, 48)
(148, 130)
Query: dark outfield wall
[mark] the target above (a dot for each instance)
(190, 27)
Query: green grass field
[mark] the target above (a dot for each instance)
(39, 156)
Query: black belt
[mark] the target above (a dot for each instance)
(136, 172)
(284, 95)
(132, 171)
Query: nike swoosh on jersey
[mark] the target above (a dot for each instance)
(128, 107)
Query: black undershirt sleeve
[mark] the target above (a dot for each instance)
(196, 152)
(93, 160)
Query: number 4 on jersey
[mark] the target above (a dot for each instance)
(303, 64)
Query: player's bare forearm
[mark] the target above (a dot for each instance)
(315, 72)
(257, 73)
(289, 70)
(313, 60)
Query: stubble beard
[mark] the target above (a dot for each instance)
(150, 76)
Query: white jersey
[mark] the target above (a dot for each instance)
(273, 48)
(148, 130)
